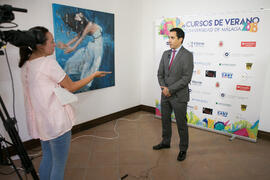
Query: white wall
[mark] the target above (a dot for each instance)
(93, 104)
(156, 9)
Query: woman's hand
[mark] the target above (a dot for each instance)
(101, 73)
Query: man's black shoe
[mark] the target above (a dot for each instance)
(161, 146)
(181, 156)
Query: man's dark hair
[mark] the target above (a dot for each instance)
(179, 33)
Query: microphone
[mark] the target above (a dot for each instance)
(6, 14)
(169, 56)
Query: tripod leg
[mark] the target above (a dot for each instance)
(26, 161)
(16, 140)
(12, 163)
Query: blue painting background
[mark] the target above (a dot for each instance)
(64, 34)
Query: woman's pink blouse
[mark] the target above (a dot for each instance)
(46, 117)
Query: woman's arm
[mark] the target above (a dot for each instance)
(73, 40)
(71, 86)
(85, 32)
(64, 46)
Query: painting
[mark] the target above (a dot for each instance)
(84, 44)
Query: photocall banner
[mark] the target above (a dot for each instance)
(230, 62)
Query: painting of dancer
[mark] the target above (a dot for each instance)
(85, 44)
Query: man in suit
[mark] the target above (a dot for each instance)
(174, 75)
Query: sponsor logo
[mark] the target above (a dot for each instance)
(192, 107)
(230, 54)
(227, 54)
(202, 63)
(243, 107)
(199, 92)
(195, 44)
(196, 83)
(220, 44)
(223, 104)
(248, 44)
(217, 84)
(229, 96)
(248, 66)
(167, 24)
(245, 76)
(226, 64)
(207, 111)
(239, 116)
(209, 73)
(243, 88)
(226, 75)
(199, 100)
(203, 54)
(222, 113)
(197, 72)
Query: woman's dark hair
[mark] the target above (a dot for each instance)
(39, 33)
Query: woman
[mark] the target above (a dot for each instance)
(85, 60)
(47, 119)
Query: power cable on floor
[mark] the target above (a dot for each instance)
(144, 174)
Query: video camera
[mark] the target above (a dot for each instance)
(15, 37)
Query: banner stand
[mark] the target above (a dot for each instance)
(230, 63)
(232, 136)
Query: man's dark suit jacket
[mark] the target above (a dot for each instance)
(179, 76)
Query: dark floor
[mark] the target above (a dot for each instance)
(211, 156)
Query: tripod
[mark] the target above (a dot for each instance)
(17, 143)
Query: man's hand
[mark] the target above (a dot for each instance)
(165, 91)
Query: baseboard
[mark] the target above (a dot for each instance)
(148, 109)
(263, 135)
(33, 143)
(104, 119)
